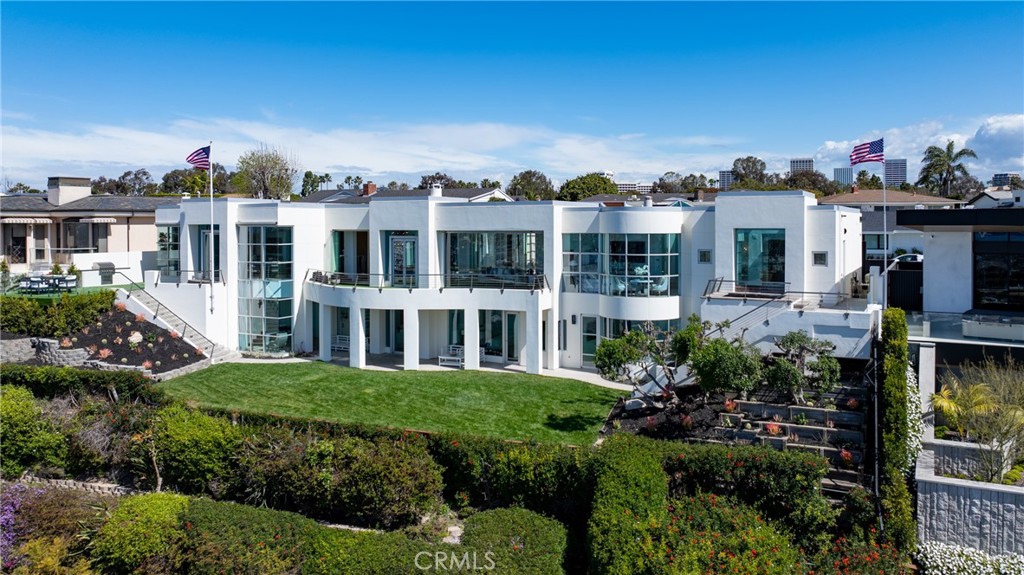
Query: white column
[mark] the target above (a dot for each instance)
(326, 331)
(471, 337)
(377, 327)
(356, 338)
(552, 352)
(926, 383)
(411, 322)
(533, 341)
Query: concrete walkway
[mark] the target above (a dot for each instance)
(393, 362)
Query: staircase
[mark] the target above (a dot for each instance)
(216, 353)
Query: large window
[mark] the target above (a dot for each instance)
(508, 259)
(761, 260)
(628, 265)
(85, 237)
(168, 254)
(999, 271)
(265, 306)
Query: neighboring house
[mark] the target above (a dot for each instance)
(70, 225)
(883, 237)
(369, 192)
(997, 198)
(533, 283)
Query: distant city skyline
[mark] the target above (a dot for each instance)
(97, 89)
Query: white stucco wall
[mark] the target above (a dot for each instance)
(948, 271)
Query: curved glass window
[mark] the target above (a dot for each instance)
(627, 265)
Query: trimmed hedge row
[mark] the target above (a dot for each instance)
(163, 533)
(50, 381)
(481, 472)
(55, 318)
(897, 503)
(26, 439)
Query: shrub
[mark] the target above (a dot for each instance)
(50, 556)
(847, 557)
(782, 375)
(231, 538)
(62, 513)
(12, 495)
(629, 495)
(193, 449)
(783, 486)
(333, 551)
(26, 438)
(516, 540)
(722, 366)
(857, 520)
(386, 482)
(944, 559)
(543, 478)
(612, 355)
(58, 317)
(711, 534)
(49, 382)
(142, 534)
(897, 460)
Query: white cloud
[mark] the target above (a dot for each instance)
(469, 151)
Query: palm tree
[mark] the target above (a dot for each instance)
(942, 166)
(958, 402)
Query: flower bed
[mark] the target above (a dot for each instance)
(119, 337)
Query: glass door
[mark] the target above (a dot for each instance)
(511, 339)
(204, 253)
(403, 261)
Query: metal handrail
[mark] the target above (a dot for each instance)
(469, 281)
(191, 276)
(134, 287)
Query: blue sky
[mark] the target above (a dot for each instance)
(391, 91)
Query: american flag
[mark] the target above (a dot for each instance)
(868, 152)
(200, 159)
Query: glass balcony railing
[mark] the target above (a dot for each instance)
(966, 326)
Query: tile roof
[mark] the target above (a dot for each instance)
(25, 203)
(862, 197)
(104, 203)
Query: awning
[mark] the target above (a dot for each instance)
(98, 220)
(18, 221)
(43, 220)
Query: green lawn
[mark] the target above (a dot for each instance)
(507, 405)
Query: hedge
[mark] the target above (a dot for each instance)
(630, 494)
(481, 472)
(50, 381)
(784, 486)
(194, 450)
(143, 535)
(516, 541)
(54, 318)
(26, 438)
(898, 523)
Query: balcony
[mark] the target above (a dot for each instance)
(972, 326)
(468, 281)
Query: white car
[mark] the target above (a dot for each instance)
(909, 258)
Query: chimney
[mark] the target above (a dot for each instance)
(700, 195)
(436, 190)
(369, 188)
(648, 202)
(853, 189)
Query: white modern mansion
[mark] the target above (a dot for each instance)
(533, 283)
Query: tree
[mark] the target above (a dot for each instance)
(813, 181)
(137, 183)
(531, 185)
(866, 181)
(749, 168)
(445, 180)
(393, 185)
(694, 181)
(986, 403)
(585, 186)
(941, 166)
(196, 182)
(312, 182)
(670, 183)
(796, 368)
(265, 173)
(966, 186)
(1016, 183)
(490, 184)
(721, 365)
(102, 185)
(19, 188)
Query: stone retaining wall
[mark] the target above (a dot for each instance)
(101, 488)
(986, 516)
(960, 457)
(49, 352)
(16, 350)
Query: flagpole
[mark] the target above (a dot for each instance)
(885, 236)
(212, 242)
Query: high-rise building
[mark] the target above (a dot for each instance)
(801, 165)
(724, 180)
(895, 172)
(843, 176)
(1003, 179)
